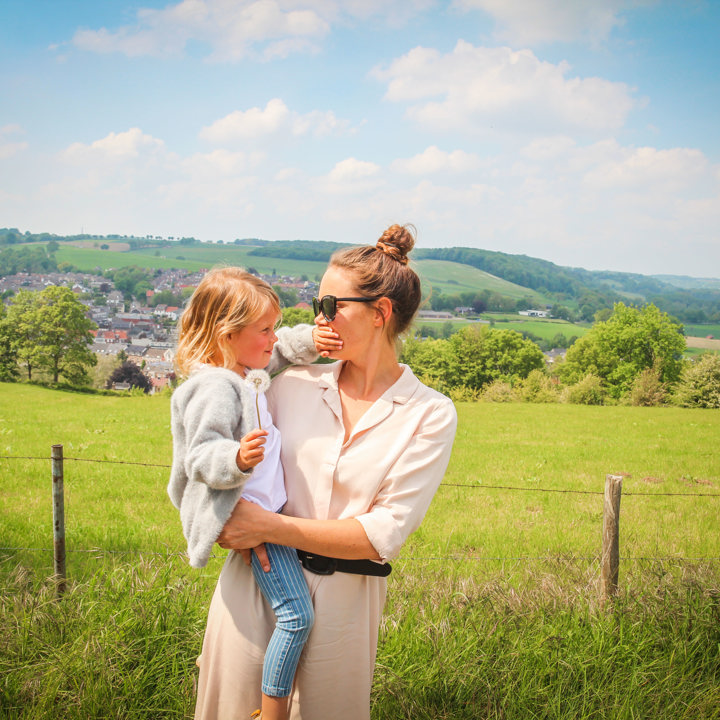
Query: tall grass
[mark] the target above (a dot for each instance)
(122, 644)
(492, 608)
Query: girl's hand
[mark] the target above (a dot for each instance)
(252, 449)
(326, 340)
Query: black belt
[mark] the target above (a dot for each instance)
(321, 565)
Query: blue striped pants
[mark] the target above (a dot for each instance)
(286, 591)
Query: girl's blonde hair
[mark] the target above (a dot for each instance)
(225, 301)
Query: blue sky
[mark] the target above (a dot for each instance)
(578, 131)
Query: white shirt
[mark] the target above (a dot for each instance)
(266, 485)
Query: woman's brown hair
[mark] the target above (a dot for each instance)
(382, 270)
(225, 301)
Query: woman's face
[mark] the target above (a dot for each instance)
(355, 322)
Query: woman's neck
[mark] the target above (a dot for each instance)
(369, 377)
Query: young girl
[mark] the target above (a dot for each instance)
(225, 445)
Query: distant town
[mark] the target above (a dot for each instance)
(145, 333)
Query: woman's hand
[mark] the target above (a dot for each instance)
(261, 553)
(247, 527)
(326, 340)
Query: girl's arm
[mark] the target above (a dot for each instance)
(301, 345)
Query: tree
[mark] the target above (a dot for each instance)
(473, 357)
(8, 354)
(131, 281)
(129, 373)
(620, 348)
(106, 364)
(294, 316)
(50, 331)
(483, 354)
(288, 296)
(431, 361)
(64, 335)
(24, 323)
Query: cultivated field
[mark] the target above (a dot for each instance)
(493, 606)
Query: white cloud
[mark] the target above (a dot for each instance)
(7, 150)
(597, 205)
(473, 89)
(232, 29)
(275, 118)
(235, 29)
(128, 145)
(433, 160)
(530, 22)
(8, 147)
(353, 169)
(220, 164)
(351, 178)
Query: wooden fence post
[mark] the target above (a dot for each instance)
(58, 491)
(610, 561)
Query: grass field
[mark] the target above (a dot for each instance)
(492, 609)
(702, 330)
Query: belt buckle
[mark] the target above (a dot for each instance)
(319, 564)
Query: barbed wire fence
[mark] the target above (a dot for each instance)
(609, 558)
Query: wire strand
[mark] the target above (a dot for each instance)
(478, 486)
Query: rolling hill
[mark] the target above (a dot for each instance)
(457, 272)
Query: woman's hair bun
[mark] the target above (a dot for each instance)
(397, 241)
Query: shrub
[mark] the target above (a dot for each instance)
(588, 391)
(463, 393)
(537, 387)
(648, 389)
(498, 391)
(699, 384)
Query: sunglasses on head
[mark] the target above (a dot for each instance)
(327, 305)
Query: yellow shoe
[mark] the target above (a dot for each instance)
(257, 715)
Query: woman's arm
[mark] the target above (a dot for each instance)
(250, 525)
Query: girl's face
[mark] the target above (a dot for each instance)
(252, 345)
(354, 322)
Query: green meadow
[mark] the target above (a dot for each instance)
(493, 608)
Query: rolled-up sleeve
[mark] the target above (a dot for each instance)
(411, 483)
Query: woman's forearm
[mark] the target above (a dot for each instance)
(335, 538)
(249, 525)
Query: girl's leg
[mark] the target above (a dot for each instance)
(286, 591)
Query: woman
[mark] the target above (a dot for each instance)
(364, 447)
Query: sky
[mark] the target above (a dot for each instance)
(584, 132)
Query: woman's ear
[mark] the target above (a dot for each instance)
(383, 308)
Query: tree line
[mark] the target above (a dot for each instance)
(634, 356)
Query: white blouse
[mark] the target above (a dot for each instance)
(387, 472)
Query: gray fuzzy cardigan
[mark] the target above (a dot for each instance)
(210, 412)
